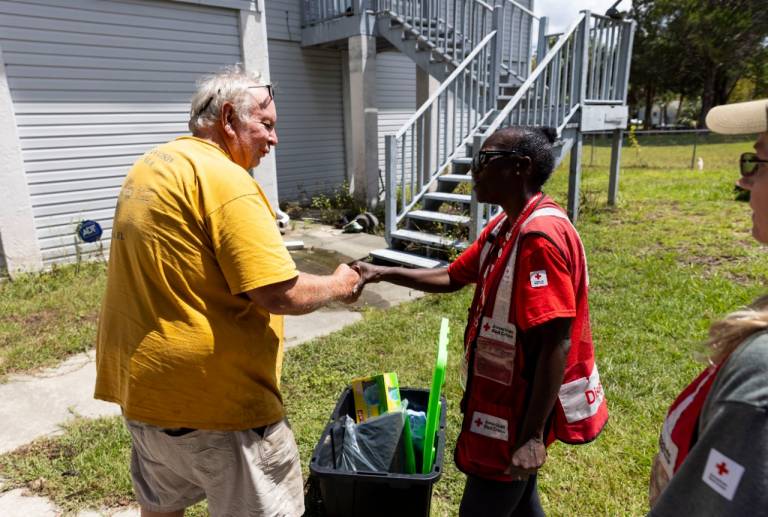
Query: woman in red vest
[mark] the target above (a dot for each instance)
(528, 372)
(713, 447)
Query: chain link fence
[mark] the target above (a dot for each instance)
(674, 149)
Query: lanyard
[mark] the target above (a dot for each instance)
(496, 258)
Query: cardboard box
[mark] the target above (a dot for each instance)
(375, 395)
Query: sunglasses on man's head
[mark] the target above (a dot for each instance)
(481, 159)
(270, 92)
(749, 163)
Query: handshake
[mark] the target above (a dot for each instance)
(354, 276)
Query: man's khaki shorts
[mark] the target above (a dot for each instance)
(239, 472)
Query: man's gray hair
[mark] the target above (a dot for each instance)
(230, 85)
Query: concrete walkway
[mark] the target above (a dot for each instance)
(34, 406)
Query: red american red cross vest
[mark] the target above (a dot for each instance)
(496, 396)
(678, 434)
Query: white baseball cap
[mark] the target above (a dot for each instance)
(740, 118)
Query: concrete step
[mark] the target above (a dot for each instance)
(462, 167)
(448, 197)
(465, 161)
(429, 239)
(455, 178)
(407, 259)
(438, 217)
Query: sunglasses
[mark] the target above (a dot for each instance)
(749, 163)
(481, 159)
(270, 92)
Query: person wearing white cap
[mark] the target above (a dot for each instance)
(713, 447)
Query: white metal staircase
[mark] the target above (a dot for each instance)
(481, 53)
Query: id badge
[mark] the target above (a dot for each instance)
(463, 372)
(495, 353)
(667, 457)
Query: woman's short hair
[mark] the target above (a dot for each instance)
(533, 142)
(230, 85)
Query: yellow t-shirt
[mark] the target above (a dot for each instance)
(179, 343)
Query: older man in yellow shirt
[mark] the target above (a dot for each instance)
(190, 340)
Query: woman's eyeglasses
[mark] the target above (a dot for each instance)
(749, 163)
(270, 92)
(481, 159)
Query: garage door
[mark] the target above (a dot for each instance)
(96, 83)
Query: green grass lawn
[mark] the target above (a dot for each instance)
(674, 255)
(46, 318)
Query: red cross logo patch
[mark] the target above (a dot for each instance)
(538, 278)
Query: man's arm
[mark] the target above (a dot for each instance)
(428, 280)
(306, 293)
(552, 340)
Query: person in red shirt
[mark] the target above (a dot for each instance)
(528, 369)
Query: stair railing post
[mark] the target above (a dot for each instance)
(496, 56)
(613, 173)
(390, 186)
(475, 208)
(625, 55)
(541, 45)
(581, 69)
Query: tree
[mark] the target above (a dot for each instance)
(727, 38)
(699, 48)
(650, 52)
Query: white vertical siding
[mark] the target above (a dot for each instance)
(96, 83)
(396, 93)
(310, 154)
(284, 19)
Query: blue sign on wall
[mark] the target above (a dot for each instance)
(89, 231)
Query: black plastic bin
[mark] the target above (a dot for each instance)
(355, 494)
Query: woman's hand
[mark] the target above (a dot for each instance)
(528, 459)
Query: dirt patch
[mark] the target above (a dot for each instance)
(50, 449)
(319, 261)
(34, 323)
(709, 261)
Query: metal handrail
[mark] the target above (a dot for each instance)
(540, 72)
(487, 6)
(517, 28)
(522, 8)
(610, 41)
(427, 143)
(445, 85)
(588, 64)
(430, 154)
(319, 11)
(451, 27)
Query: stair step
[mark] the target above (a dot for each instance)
(429, 239)
(407, 259)
(448, 197)
(455, 178)
(462, 161)
(438, 217)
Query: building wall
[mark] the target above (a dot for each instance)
(396, 90)
(310, 154)
(95, 84)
